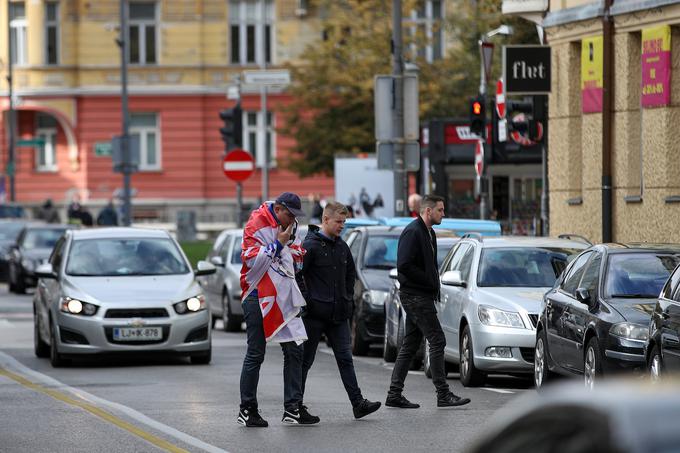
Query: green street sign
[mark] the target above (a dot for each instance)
(36, 142)
(103, 149)
(9, 170)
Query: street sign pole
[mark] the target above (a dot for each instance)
(125, 142)
(263, 107)
(12, 122)
(485, 54)
(400, 175)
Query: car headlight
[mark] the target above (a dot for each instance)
(28, 264)
(630, 331)
(374, 297)
(191, 305)
(499, 318)
(77, 307)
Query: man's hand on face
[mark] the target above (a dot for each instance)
(284, 234)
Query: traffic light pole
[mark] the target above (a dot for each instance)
(482, 93)
(125, 139)
(11, 161)
(400, 175)
(263, 107)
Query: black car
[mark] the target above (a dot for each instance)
(9, 231)
(595, 320)
(32, 248)
(663, 346)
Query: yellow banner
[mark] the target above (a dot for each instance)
(591, 74)
(657, 39)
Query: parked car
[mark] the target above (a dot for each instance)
(595, 320)
(395, 316)
(9, 231)
(662, 350)
(458, 226)
(32, 248)
(374, 250)
(355, 222)
(120, 290)
(618, 417)
(491, 293)
(223, 288)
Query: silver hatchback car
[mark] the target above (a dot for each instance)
(491, 295)
(120, 290)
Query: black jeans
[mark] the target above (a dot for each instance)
(421, 319)
(339, 336)
(250, 373)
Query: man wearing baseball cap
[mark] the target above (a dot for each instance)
(272, 303)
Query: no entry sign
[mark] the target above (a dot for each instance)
(238, 165)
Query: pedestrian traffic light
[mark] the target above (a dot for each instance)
(232, 131)
(526, 122)
(477, 116)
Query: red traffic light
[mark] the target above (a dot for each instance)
(477, 108)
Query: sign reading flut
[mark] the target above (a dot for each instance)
(656, 66)
(592, 79)
(526, 69)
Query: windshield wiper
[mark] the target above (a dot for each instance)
(635, 296)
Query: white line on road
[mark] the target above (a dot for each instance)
(10, 363)
(496, 390)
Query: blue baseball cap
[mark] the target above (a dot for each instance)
(291, 202)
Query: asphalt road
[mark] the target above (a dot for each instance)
(152, 404)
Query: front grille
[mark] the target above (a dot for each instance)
(109, 337)
(198, 334)
(71, 337)
(527, 354)
(534, 320)
(136, 313)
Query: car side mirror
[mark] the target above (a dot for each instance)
(204, 268)
(453, 278)
(217, 261)
(45, 271)
(394, 273)
(583, 296)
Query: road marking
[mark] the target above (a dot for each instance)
(496, 390)
(20, 373)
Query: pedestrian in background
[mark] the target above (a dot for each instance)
(108, 215)
(48, 212)
(414, 204)
(418, 290)
(327, 282)
(272, 303)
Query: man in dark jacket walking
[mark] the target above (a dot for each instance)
(418, 289)
(327, 282)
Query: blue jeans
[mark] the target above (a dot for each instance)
(250, 373)
(339, 336)
(421, 320)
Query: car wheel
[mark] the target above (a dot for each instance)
(655, 364)
(42, 349)
(469, 375)
(230, 322)
(592, 363)
(542, 373)
(359, 345)
(56, 359)
(389, 351)
(202, 358)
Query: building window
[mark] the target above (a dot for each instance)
(46, 156)
(51, 33)
(255, 139)
(17, 23)
(142, 33)
(425, 29)
(144, 126)
(249, 28)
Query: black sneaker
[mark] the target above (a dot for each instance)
(400, 401)
(251, 418)
(451, 400)
(299, 416)
(365, 407)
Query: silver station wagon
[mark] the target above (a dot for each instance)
(120, 290)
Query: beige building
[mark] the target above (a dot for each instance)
(644, 115)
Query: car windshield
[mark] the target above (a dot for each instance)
(522, 266)
(41, 238)
(381, 252)
(638, 274)
(9, 231)
(125, 257)
(236, 253)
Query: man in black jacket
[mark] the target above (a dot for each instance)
(327, 282)
(418, 289)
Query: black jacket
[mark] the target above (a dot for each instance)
(417, 260)
(327, 275)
